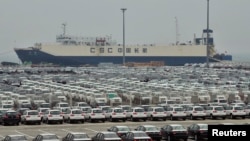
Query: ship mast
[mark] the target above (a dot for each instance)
(177, 31)
(64, 28)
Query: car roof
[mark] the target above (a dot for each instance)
(16, 135)
(175, 124)
(120, 126)
(148, 125)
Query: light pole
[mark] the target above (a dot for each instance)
(123, 12)
(207, 33)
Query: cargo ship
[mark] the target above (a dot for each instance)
(79, 51)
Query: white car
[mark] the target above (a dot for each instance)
(52, 116)
(41, 112)
(94, 114)
(46, 137)
(194, 112)
(247, 110)
(175, 113)
(216, 111)
(136, 113)
(235, 111)
(72, 115)
(115, 114)
(156, 113)
(31, 116)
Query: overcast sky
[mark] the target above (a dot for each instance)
(25, 22)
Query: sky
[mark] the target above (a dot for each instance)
(25, 22)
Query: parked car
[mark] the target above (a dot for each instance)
(235, 111)
(94, 114)
(119, 130)
(46, 137)
(136, 135)
(106, 136)
(76, 136)
(173, 132)
(31, 116)
(247, 110)
(194, 112)
(41, 112)
(151, 130)
(15, 138)
(10, 117)
(52, 116)
(2, 111)
(156, 113)
(175, 113)
(136, 113)
(115, 114)
(216, 112)
(198, 131)
(74, 115)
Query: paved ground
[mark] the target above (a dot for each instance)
(30, 131)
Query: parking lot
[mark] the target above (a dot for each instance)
(30, 131)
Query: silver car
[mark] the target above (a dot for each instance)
(46, 137)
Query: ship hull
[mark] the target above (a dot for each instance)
(39, 57)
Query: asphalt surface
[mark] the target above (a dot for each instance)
(30, 131)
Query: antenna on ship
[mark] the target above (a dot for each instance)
(64, 28)
(207, 34)
(177, 31)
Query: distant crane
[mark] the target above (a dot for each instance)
(64, 28)
(177, 31)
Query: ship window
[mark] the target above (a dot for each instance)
(128, 50)
(101, 50)
(120, 50)
(136, 50)
(109, 50)
(144, 50)
(92, 50)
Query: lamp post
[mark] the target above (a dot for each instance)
(207, 33)
(123, 12)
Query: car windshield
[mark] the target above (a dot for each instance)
(97, 111)
(178, 128)
(83, 104)
(238, 108)
(219, 108)
(76, 112)
(124, 129)
(110, 136)
(159, 110)
(11, 113)
(64, 105)
(7, 106)
(18, 138)
(32, 113)
(151, 129)
(55, 112)
(204, 127)
(126, 108)
(50, 137)
(139, 110)
(118, 110)
(105, 108)
(79, 136)
(198, 109)
(44, 110)
(141, 134)
(178, 109)
(223, 101)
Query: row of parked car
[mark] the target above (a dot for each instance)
(196, 131)
(121, 113)
(124, 133)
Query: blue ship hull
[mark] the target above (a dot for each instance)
(39, 57)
